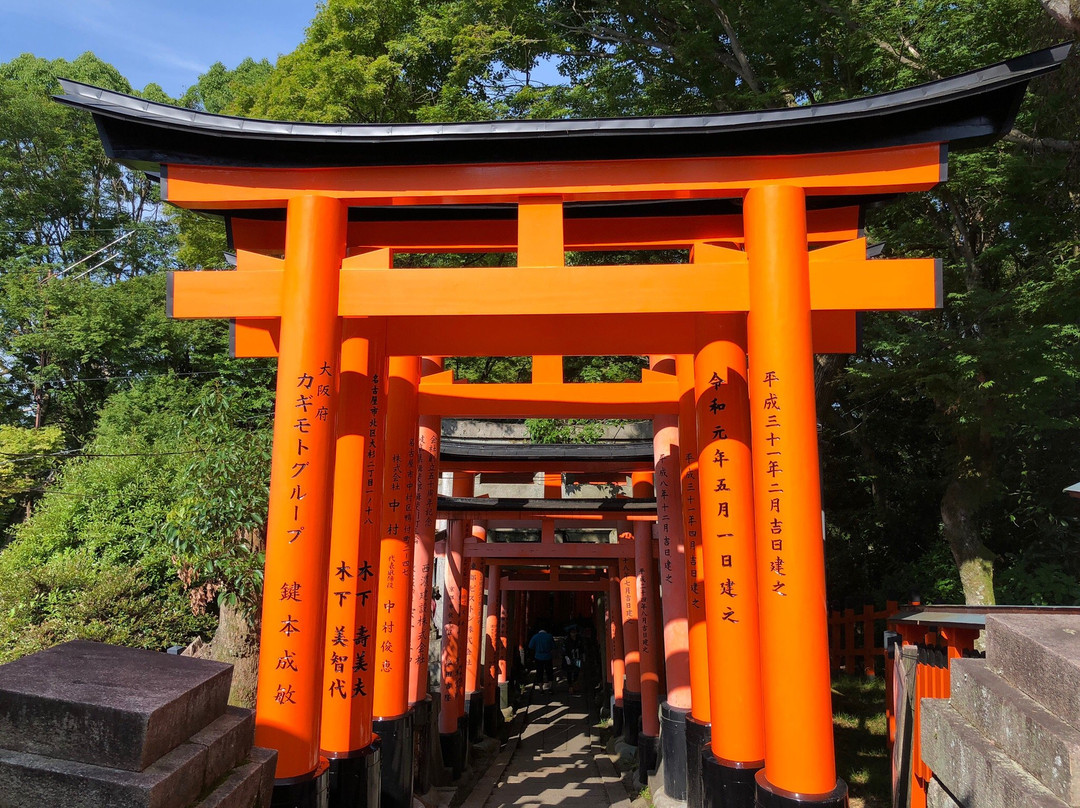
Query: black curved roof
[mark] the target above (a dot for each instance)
(966, 110)
(463, 450)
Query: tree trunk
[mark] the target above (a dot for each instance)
(973, 559)
(236, 642)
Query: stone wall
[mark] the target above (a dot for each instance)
(1009, 735)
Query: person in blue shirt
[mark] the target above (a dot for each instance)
(542, 646)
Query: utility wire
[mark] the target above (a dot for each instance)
(86, 258)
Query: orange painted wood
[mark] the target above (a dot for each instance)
(671, 546)
(398, 523)
(577, 334)
(615, 636)
(626, 400)
(501, 235)
(475, 620)
(851, 284)
(491, 638)
(873, 171)
(647, 613)
(427, 493)
(631, 652)
(452, 678)
(787, 493)
(727, 524)
(540, 231)
(289, 701)
(348, 656)
(697, 636)
(504, 634)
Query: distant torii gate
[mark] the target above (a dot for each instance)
(769, 205)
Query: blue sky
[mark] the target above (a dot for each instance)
(170, 43)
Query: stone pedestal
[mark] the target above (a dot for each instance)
(87, 724)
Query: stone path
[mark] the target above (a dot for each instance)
(555, 762)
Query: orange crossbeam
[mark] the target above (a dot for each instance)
(500, 235)
(843, 283)
(575, 334)
(629, 400)
(873, 171)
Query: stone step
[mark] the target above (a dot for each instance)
(974, 771)
(228, 741)
(32, 781)
(247, 786)
(1040, 654)
(1044, 745)
(121, 708)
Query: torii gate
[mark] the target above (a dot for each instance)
(768, 202)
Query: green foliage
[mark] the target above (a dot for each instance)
(217, 523)
(90, 563)
(26, 457)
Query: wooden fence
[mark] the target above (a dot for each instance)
(856, 639)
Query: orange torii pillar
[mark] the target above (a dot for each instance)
(346, 735)
(737, 745)
(615, 640)
(698, 727)
(800, 766)
(503, 682)
(631, 654)
(648, 636)
(393, 720)
(474, 693)
(427, 495)
(669, 528)
(453, 735)
(491, 653)
(289, 699)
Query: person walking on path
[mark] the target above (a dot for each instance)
(542, 647)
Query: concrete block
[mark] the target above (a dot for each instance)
(1044, 745)
(974, 771)
(228, 740)
(267, 760)
(33, 781)
(938, 797)
(1040, 654)
(241, 789)
(116, 707)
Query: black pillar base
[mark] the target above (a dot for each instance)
(616, 719)
(770, 796)
(648, 756)
(504, 695)
(397, 760)
(492, 720)
(463, 740)
(474, 711)
(697, 736)
(673, 749)
(631, 706)
(450, 743)
(310, 791)
(728, 783)
(355, 777)
(421, 745)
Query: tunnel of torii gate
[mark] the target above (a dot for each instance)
(769, 206)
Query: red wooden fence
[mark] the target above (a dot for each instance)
(856, 639)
